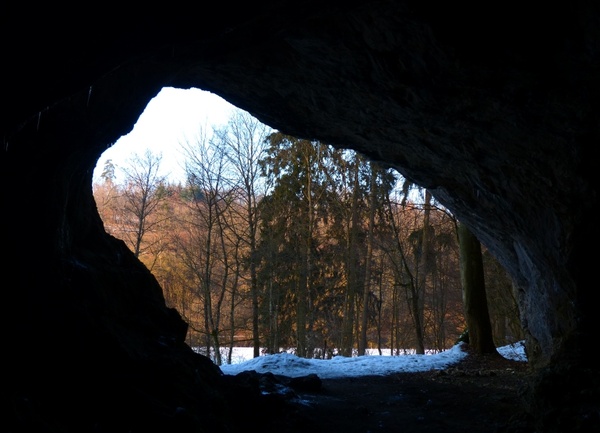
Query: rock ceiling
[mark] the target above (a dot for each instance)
(494, 111)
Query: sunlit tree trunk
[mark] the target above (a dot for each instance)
(232, 303)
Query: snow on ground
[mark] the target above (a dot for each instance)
(290, 365)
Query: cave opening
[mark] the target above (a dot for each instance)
(158, 214)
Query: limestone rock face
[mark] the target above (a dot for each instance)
(493, 108)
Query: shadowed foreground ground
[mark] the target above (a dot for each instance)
(478, 395)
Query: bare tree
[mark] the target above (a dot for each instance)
(142, 195)
(244, 144)
(205, 249)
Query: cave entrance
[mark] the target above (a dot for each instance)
(254, 235)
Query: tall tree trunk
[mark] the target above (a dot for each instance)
(401, 272)
(305, 265)
(301, 314)
(232, 301)
(352, 274)
(418, 300)
(362, 342)
(474, 294)
(380, 315)
(254, 286)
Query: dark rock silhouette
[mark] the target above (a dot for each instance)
(493, 108)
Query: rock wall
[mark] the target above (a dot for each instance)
(494, 109)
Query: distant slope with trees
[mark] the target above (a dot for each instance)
(278, 242)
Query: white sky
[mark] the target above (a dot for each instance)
(170, 118)
(289, 365)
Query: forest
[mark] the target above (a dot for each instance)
(281, 243)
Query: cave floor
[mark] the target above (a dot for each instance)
(480, 394)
